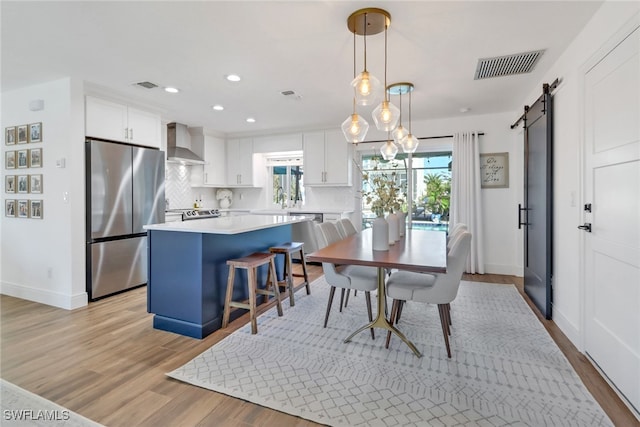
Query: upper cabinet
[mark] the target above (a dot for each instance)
(327, 159)
(244, 168)
(119, 122)
(212, 149)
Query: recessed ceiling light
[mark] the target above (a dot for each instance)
(251, 120)
(465, 109)
(233, 77)
(171, 89)
(218, 107)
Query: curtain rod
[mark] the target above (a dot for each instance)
(421, 138)
(545, 88)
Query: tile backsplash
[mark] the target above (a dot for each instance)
(179, 191)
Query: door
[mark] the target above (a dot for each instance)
(110, 183)
(611, 263)
(148, 187)
(144, 127)
(313, 158)
(117, 265)
(538, 206)
(105, 119)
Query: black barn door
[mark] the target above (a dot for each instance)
(538, 203)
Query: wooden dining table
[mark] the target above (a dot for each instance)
(419, 250)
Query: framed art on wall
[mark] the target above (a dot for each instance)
(35, 132)
(10, 184)
(35, 184)
(23, 159)
(35, 209)
(494, 170)
(23, 209)
(10, 160)
(10, 135)
(23, 184)
(10, 208)
(35, 158)
(23, 137)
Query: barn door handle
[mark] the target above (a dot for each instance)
(520, 209)
(586, 227)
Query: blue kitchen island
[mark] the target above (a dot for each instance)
(187, 270)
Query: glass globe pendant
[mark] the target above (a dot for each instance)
(367, 88)
(389, 149)
(386, 116)
(409, 143)
(355, 128)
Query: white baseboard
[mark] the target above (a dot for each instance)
(44, 296)
(510, 270)
(568, 328)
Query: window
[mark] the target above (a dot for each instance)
(431, 192)
(287, 179)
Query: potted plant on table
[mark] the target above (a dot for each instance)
(384, 195)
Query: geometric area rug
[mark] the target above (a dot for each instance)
(505, 368)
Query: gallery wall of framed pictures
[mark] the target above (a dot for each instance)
(21, 164)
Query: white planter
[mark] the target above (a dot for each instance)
(402, 223)
(392, 219)
(380, 235)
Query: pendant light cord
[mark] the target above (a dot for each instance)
(386, 94)
(410, 112)
(354, 71)
(365, 41)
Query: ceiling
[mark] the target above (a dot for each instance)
(302, 46)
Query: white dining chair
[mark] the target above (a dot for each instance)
(346, 227)
(440, 289)
(454, 232)
(345, 276)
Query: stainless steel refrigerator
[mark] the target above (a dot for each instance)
(125, 190)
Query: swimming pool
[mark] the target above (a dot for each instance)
(436, 226)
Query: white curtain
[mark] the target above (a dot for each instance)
(466, 203)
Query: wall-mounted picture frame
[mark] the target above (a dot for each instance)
(35, 209)
(10, 184)
(494, 170)
(35, 158)
(10, 135)
(10, 160)
(35, 132)
(22, 184)
(10, 208)
(23, 208)
(22, 161)
(22, 134)
(35, 184)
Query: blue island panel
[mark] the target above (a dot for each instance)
(188, 275)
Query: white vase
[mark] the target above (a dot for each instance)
(380, 238)
(402, 223)
(392, 219)
(225, 203)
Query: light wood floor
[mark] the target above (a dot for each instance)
(106, 362)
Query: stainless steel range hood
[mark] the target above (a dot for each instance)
(179, 146)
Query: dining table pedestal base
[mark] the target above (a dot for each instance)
(381, 321)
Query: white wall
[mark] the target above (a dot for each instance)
(568, 146)
(43, 260)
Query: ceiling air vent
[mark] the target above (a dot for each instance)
(146, 85)
(518, 63)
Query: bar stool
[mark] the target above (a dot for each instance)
(287, 249)
(251, 263)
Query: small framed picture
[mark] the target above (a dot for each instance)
(35, 158)
(23, 137)
(10, 135)
(35, 132)
(23, 183)
(10, 208)
(35, 209)
(10, 184)
(23, 160)
(35, 184)
(494, 170)
(10, 160)
(23, 209)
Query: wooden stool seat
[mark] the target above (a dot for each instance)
(287, 249)
(251, 263)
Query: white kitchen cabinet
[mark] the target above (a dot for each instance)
(244, 168)
(327, 159)
(119, 122)
(213, 150)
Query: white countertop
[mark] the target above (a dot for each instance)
(228, 224)
(303, 210)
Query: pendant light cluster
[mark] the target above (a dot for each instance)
(367, 90)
